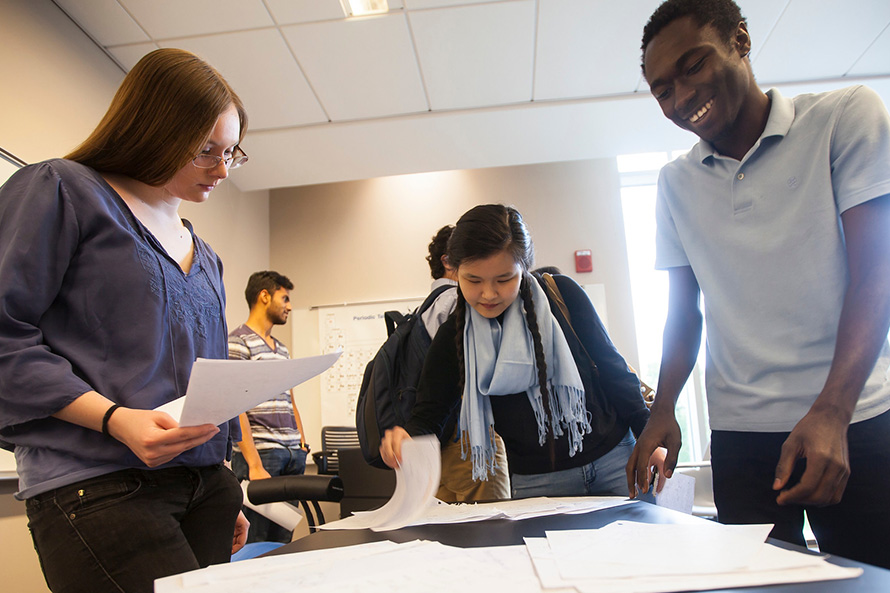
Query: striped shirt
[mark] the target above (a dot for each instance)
(272, 422)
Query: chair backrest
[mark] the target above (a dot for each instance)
(337, 437)
(364, 487)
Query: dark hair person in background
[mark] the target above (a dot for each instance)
(779, 217)
(273, 442)
(504, 359)
(108, 298)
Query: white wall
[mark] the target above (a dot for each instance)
(362, 241)
(56, 82)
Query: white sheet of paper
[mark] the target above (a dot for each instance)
(417, 482)
(677, 494)
(219, 390)
(701, 548)
(369, 568)
(773, 566)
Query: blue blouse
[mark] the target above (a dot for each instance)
(90, 300)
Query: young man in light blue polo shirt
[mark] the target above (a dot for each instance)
(780, 218)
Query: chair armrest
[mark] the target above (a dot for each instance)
(285, 488)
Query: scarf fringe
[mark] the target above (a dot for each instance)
(567, 413)
(483, 458)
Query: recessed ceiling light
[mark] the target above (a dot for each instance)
(364, 7)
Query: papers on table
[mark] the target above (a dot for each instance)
(219, 390)
(436, 513)
(382, 567)
(628, 557)
(534, 568)
(681, 549)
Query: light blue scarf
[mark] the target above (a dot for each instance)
(500, 360)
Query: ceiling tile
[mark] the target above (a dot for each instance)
(288, 12)
(128, 55)
(164, 19)
(360, 68)
(762, 16)
(796, 48)
(261, 69)
(105, 20)
(572, 62)
(476, 56)
(876, 59)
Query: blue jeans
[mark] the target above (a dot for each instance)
(744, 465)
(602, 477)
(278, 461)
(121, 531)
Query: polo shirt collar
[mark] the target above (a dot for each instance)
(781, 116)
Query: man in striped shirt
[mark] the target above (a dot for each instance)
(272, 443)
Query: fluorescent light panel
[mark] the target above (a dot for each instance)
(364, 7)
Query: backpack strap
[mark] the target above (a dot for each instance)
(392, 319)
(551, 287)
(431, 298)
(553, 290)
(555, 296)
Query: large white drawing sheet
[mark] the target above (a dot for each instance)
(219, 390)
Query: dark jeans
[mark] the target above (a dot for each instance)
(119, 532)
(278, 462)
(744, 466)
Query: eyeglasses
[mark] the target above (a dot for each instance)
(210, 161)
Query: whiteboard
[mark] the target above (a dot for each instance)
(359, 330)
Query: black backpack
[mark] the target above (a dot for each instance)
(389, 385)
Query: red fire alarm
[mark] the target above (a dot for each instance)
(583, 260)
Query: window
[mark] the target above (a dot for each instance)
(649, 289)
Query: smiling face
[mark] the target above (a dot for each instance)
(490, 284)
(194, 184)
(704, 84)
(279, 307)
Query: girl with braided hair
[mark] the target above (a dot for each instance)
(562, 399)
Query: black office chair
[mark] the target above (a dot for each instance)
(365, 487)
(333, 438)
(303, 489)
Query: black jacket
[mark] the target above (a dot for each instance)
(612, 394)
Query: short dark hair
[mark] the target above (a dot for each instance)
(723, 15)
(265, 280)
(437, 248)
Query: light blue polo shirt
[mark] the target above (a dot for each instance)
(764, 238)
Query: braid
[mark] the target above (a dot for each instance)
(540, 363)
(460, 310)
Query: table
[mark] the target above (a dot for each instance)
(502, 532)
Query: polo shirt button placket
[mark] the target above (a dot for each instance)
(741, 201)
